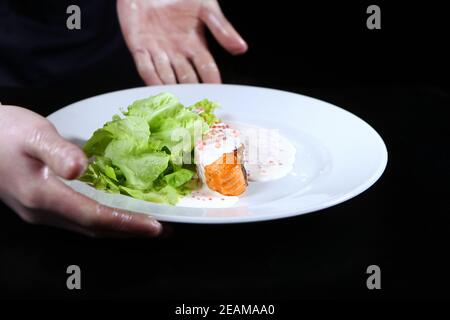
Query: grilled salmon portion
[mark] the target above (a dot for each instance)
(227, 174)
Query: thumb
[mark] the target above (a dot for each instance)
(222, 29)
(64, 158)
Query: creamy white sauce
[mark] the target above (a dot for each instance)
(206, 198)
(220, 139)
(267, 156)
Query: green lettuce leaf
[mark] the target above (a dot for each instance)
(167, 194)
(179, 177)
(205, 108)
(147, 152)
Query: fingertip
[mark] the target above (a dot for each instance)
(75, 166)
(241, 47)
(155, 228)
(214, 76)
(217, 80)
(214, 79)
(224, 32)
(151, 82)
(167, 76)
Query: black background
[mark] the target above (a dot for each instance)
(395, 78)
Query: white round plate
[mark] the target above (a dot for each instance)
(338, 154)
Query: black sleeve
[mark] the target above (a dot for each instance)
(36, 47)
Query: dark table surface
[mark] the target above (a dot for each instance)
(401, 223)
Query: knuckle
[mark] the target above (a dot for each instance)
(100, 217)
(211, 66)
(187, 76)
(45, 129)
(112, 219)
(106, 219)
(138, 50)
(38, 133)
(139, 53)
(161, 58)
(122, 221)
(184, 78)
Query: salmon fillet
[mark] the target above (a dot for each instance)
(227, 175)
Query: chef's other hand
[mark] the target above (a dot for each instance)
(32, 156)
(167, 40)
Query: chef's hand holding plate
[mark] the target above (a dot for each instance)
(32, 156)
(167, 40)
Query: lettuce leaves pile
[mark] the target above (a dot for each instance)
(147, 153)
